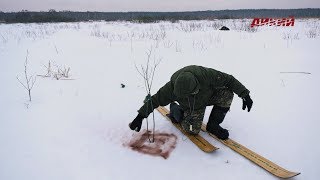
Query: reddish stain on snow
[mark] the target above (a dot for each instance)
(163, 144)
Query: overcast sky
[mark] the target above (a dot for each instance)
(152, 5)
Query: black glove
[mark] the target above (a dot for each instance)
(247, 102)
(176, 113)
(136, 123)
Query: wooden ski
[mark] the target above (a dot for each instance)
(198, 140)
(255, 158)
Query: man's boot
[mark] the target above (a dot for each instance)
(176, 113)
(216, 117)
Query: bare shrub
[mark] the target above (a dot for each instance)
(312, 33)
(290, 36)
(64, 72)
(247, 27)
(191, 26)
(167, 44)
(29, 80)
(199, 44)
(215, 25)
(58, 72)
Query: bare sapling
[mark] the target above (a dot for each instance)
(49, 71)
(147, 73)
(56, 49)
(29, 80)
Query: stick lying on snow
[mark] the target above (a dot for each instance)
(297, 72)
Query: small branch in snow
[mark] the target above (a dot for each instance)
(56, 49)
(282, 81)
(295, 73)
(3, 38)
(66, 79)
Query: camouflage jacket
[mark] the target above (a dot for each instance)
(209, 80)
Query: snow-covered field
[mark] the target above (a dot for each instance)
(75, 129)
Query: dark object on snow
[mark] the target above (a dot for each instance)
(224, 28)
(217, 115)
(122, 85)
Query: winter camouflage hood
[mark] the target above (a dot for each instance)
(185, 84)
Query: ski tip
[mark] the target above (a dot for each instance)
(209, 149)
(294, 174)
(291, 175)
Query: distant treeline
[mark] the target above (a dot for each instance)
(69, 16)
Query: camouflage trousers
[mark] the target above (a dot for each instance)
(192, 121)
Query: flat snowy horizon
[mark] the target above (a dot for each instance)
(75, 128)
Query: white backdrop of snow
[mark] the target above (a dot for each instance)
(75, 129)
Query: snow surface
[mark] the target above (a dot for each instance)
(75, 129)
